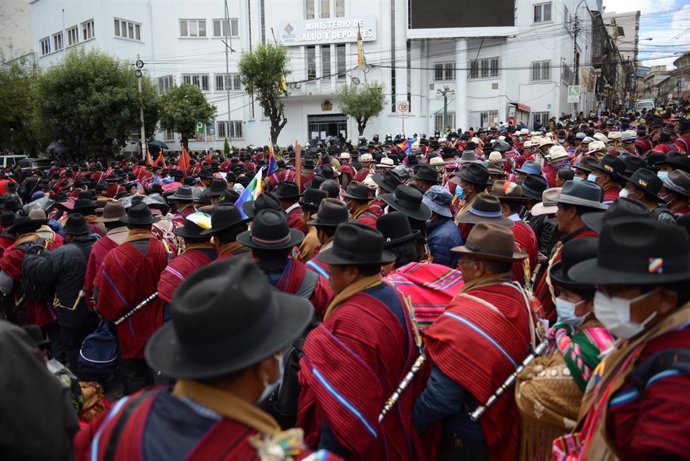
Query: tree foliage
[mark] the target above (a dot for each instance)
(261, 72)
(182, 107)
(17, 92)
(361, 102)
(90, 101)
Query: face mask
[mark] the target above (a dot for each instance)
(561, 141)
(614, 314)
(662, 175)
(269, 388)
(459, 193)
(578, 178)
(591, 177)
(566, 313)
(623, 193)
(520, 138)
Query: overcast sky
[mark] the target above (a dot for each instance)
(667, 22)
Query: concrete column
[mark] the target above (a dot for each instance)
(461, 116)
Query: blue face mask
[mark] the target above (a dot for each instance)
(591, 177)
(566, 312)
(578, 178)
(459, 193)
(662, 175)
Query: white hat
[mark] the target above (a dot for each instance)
(386, 163)
(523, 132)
(436, 161)
(615, 135)
(369, 182)
(535, 133)
(557, 152)
(530, 144)
(548, 204)
(629, 135)
(345, 156)
(495, 157)
(545, 142)
(501, 138)
(477, 141)
(601, 137)
(366, 158)
(596, 146)
(587, 140)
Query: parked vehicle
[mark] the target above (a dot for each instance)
(645, 104)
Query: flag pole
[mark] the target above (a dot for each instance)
(298, 164)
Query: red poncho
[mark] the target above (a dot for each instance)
(180, 267)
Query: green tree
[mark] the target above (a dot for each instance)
(17, 91)
(361, 102)
(262, 72)
(182, 107)
(226, 148)
(91, 102)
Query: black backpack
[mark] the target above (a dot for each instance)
(36, 284)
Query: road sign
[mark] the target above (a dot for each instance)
(200, 127)
(573, 94)
(403, 107)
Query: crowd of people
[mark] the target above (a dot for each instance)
(487, 294)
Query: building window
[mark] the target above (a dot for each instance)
(566, 74)
(541, 70)
(165, 83)
(88, 31)
(542, 12)
(540, 119)
(72, 36)
(235, 129)
(341, 61)
(326, 60)
(444, 71)
(127, 29)
(309, 7)
(488, 118)
(339, 8)
(231, 27)
(192, 28)
(198, 80)
(169, 135)
(483, 68)
(325, 8)
(230, 82)
(57, 41)
(311, 62)
(438, 121)
(45, 46)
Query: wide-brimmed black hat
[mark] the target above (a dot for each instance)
(85, 206)
(7, 219)
(218, 187)
(408, 200)
(427, 173)
(139, 215)
(356, 244)
(620, 209)
(210, 337)
(648, 182)
(507, 191)
(611, 165)
(534, 186)
(396, 229)
(206, 173)
(582, 193)
(387, 181)
(632, 164)
(492, 241)
(312, 199)
(574, 252)
(264, 201)
(474, 173)
(225, 216)
(637, 252)
(676, 160)
(12, 203)
(331, 212)
(76, 225)
(183, 194)
(194, 226)
(678, 181)
(25, 225)
(286, 190)
(270, 231)
(485, 208)
(357, 191)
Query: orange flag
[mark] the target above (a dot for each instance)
(184, 162)
(160, 158)
(148, 157)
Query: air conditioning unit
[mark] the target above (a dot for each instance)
(494, 86)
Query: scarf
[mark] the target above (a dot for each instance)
(138, 234)
(360, 285)
(227, 405)
(229, 248)
(25, 238)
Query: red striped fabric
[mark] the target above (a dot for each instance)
(179, 268)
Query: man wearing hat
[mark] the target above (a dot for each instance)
(225, 356)
(288, 193)
(425, 177)
(310, 205)
(641, 271)
(357, 198)
(676, 192)
(608, 173)
(574, 200)
(472, 180)
(368, 332)
(442, 233)
(367, 161)
(272, 241)
(183, 198)
(198, 252)
(129, 276)
(226, 224)
(645, 187)
(282, 174)
(65, 267)
(308, 173)
(86, 206)
(7, 235)
(347, 171)
(480, 339)
(331, 212)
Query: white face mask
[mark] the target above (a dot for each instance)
(614, 314)
(591, 177)
(623, 193)
(269, 388)
(566, 312)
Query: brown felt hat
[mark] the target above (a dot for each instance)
(490, 241)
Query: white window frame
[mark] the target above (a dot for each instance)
(541, 71)
(127, 30)
(485, 68)
(312, 67)
(236, 129)
(541, 117)
(88, 30)
(444, 71)
(168, 135)
(223, 80)
(58, 41)
(487, 115)
(234, 31)
(197, 80)
(438, 121)
(73, 36)
(45, 46)
(538, 16)
(341, 61)
(198, 24)
(165, 83)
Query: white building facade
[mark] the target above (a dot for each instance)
(518, 72)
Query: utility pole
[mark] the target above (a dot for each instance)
(226, 26)
(576, 55)
(445, 92)
(139, 74)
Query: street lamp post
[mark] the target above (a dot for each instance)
(139, 74)
(445, 92)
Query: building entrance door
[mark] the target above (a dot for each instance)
(321, 127)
